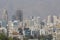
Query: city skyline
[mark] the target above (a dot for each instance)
(29, 19)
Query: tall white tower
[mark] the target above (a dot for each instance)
(5, 19)
(55, 19)
(5, 15)
(49, 19)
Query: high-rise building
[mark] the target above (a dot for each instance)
(38, 20)
(55, 19)
(19, 15)
(13, 17)
(49, 19)
(5, 15)
(4, 18)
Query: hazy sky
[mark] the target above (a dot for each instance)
(40, 8)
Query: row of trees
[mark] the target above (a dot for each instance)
(41, 37)
(4, 37)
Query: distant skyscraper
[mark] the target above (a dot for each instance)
(49, 19)
(38, 20)
(5, 15)
(19, 15)
(55, 19)
(13, 17)
(4, 18)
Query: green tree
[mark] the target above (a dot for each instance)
(15, 38)
(10, 38)
(4, 37)
(50, 37)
